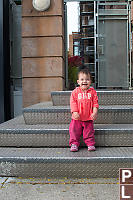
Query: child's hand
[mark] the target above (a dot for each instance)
(75, 115)
(94, 116)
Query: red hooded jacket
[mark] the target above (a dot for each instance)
(83, 102)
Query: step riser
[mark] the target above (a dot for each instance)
(104, 98)
(61, 139)
(105, 168)
(124, 116)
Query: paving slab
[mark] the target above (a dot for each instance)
(2, 181)
(59, 189)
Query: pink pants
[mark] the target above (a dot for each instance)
(77, 127)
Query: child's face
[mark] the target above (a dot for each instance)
(84, 81)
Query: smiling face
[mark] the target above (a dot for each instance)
(84, 80)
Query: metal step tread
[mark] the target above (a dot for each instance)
(62, 154)
(17, 124)
(46, 114)
(60, 162)
(50, 108)
(105, 97)
(40, 105)
(15, 133)
(105, 91)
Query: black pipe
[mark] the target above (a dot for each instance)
(2, 116)
(6, 54)
(5, 103)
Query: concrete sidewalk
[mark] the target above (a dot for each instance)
(58, 189)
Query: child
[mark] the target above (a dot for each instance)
(84, 109)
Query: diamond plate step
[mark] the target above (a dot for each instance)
(15, 133)
(105, 97)
(45, 113)
(60, 162)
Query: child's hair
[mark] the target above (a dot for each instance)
(84, 70)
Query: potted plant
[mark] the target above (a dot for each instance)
(73, 65)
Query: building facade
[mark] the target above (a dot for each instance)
(42, 67)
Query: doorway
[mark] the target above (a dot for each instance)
(15, 16)
(101, 37)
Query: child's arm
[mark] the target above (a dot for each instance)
(74, 107)
(95, 106)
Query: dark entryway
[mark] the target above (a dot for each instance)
(5, 106)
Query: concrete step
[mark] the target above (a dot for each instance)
(45, 113)
(105, 97)
(60, 162)
(15, 133)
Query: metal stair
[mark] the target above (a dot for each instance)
(105, 97)
(15, 133)
(43, 114)
(37, 143)
(60, 162)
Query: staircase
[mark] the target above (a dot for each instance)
(36, 144)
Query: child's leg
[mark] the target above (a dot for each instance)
(75, 130)
(88, 133)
